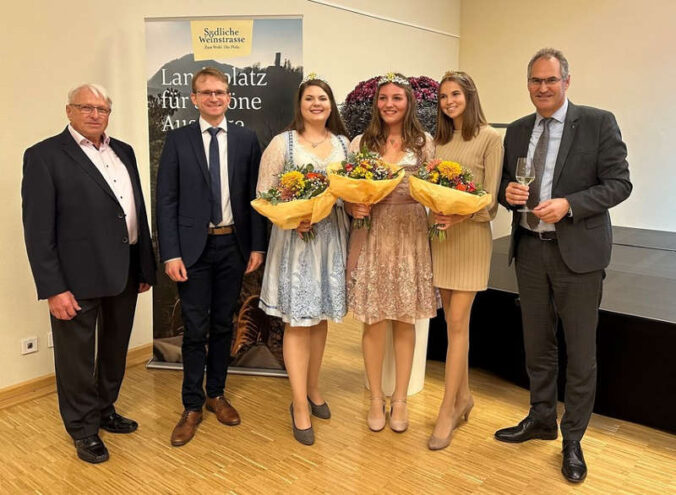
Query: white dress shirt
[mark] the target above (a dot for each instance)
(116, 175)
(555, 135)
(222, 137)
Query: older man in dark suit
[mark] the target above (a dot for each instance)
(209, 238)
(89, 248)
(561, 246)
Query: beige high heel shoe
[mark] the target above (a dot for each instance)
(376, 424)
(465, 413)
(398, 426)
(436, 443)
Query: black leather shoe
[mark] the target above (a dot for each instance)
(91, 449)
(528, 429)
(115, 423)
(574, 468)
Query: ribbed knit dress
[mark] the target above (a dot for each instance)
(463, 260)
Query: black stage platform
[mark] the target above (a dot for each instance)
(636, 335)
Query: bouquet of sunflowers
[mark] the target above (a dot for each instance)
(447, 188)
(364, 179)
(302, 194)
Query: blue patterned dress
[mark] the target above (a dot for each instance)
(304, 282)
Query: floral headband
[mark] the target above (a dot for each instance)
(312, 76)
(458, 74)
(392, 77)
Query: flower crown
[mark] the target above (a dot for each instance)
(392, 77)
(312, 76)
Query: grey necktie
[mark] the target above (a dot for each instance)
(215, 173)
(539, 157)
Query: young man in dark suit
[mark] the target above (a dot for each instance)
(90, 251)
(561, 247)
(209, 237)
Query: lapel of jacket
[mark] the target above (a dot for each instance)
(72, 149)
(195, 136)
(135, 185)
(569, 130)
(232, 154)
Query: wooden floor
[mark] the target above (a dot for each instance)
(260, 455)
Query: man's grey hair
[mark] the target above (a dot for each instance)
(550, 53)
(97, 89)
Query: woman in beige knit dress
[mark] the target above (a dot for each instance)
(389, 268)
(461, 263)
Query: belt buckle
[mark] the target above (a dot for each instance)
(542, 236)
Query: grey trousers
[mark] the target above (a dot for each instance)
(549, 290)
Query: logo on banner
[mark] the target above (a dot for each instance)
(221, 39)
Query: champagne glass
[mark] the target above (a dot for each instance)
(525, 174)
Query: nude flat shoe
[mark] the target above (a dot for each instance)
(377, 424)
(398, 426)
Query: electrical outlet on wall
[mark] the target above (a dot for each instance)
(29, 345)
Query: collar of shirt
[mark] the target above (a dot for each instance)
(204, 125)
(83, 141)
(559, 115)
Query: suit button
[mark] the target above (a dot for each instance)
(120, 215)
(125, 240)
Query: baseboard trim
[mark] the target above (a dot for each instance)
(44, 385)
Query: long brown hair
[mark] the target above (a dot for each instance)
(412, 132)
(472, 118)
(334, 123)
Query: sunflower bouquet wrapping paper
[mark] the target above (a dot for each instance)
(364, 178)
(447, 188)
(301, 194)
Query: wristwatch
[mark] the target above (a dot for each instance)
(570, 212)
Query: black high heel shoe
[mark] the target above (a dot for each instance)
(306, 436)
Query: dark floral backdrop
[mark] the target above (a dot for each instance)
(356, 111)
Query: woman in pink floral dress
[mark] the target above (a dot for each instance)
(389, 267)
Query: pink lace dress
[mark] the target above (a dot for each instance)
(390, 267)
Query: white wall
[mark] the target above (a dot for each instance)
(621, 56)
(48, 47)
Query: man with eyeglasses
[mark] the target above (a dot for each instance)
(209, 237)
(561, 247)
(90, 251)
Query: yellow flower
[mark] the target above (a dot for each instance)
(358, 172)
(450, 170)
(368, 175)
(293, 180)
(434, 177)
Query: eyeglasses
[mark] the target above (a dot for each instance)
(536, 81)
(89, 109)
(208, 94)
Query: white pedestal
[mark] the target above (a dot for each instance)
(417, 381)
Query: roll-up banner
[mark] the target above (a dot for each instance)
(262, 58)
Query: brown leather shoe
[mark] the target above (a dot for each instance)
(225, 413)
(186, 427)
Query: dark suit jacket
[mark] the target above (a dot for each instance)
(74, 228)
(184, 197)
(591, 172)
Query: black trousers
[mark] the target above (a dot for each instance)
(208, 300)
(549, 290)
(90, 364)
